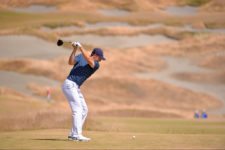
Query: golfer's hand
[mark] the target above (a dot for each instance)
(76, 45)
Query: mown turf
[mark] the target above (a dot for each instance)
(116, 133)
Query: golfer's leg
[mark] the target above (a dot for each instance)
(77, 118)
(84, 108)
(71, 92)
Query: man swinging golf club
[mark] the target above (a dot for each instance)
(84, 65)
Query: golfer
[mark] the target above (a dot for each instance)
(84, 65)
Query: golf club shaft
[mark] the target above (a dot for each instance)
(70, 42)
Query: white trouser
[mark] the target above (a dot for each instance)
(77, 105)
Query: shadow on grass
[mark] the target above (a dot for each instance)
(51, 139)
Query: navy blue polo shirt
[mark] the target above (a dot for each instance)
(81, 70)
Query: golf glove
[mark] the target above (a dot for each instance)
(76, 44)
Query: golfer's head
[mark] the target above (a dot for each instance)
(97, 54)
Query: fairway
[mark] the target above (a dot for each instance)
(116, 133)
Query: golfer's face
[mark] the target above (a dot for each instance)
(97, 58)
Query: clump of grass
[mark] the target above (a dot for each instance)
(31, 66)
(20, 112)
(40, 90)
(213, 25)
(54, 25)
(196, 2)
(36, 120)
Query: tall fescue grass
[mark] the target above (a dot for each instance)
(20, 112)
(196, 2)
(35, 120)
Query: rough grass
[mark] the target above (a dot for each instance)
(25, 23)
(16, 3)
(211, 78)
(56, 92)
(116, 133)
(32, 66)
(196, 2)
(19, 111)
(125, 91)
(26, 20)
(214, 61)
(149, 93)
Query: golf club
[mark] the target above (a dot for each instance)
(61, 42)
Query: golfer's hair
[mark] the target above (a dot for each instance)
(93, 52)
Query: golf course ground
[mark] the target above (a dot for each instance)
(117, 133)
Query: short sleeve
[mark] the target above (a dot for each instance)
(78, 58)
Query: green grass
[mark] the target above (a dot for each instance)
(116, 133)
(196, 2)
(10, 19)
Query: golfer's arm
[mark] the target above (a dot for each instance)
(72, 60)
(86, 55)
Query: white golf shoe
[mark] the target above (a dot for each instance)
(80, 138)
(83, 138)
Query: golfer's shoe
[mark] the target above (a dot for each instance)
(80, 138)
(70, 137)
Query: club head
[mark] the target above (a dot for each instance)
(59, 42)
